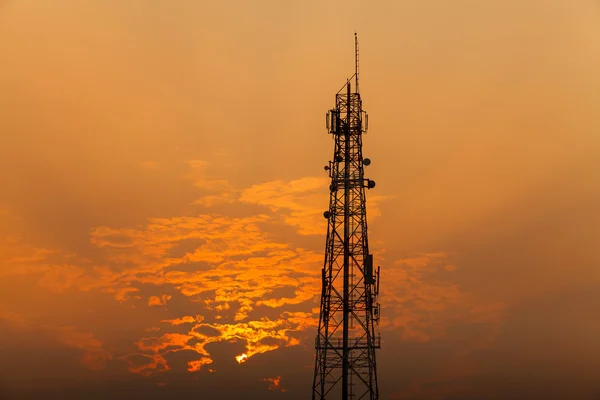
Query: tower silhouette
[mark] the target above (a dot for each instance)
(345, 366)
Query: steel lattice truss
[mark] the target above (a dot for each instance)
(345, 366)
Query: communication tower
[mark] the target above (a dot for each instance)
(345, 367)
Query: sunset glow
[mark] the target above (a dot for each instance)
(162, 195)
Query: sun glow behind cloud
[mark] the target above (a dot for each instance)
(230, 267)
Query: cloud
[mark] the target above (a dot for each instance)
(245, 281)
(242, 277)
(183, 320)
(302, 202)
(253, 333)
(156, 301)
(58, 278)
(152, 244)
(216, 199)
(94, 356)
(420, 301)
(155, 344)
(122, 293)
(304, 199)
(220, 191)
(145, 364)
(259, 336)
(195, 365)
(234, 269)
(242, 264)
(421, 305)
(17, 257)
(275, 384)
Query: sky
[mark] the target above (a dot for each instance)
(162, 191)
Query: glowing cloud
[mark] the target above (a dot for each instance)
(183, 320)
(274, 384)
(221, 191)
(302, 201)
(305, 199)
(156, 301)
(241, 358)
(194, 366)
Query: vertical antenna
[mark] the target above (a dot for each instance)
(356, 59)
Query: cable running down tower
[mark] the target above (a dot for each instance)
(345, 367)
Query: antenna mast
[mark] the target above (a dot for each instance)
(356, 60)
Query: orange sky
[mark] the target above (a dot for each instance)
(162, 190)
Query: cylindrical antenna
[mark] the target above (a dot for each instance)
(356, 59)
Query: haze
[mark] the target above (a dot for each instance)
(162, 191)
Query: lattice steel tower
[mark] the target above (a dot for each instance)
(345, 366)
